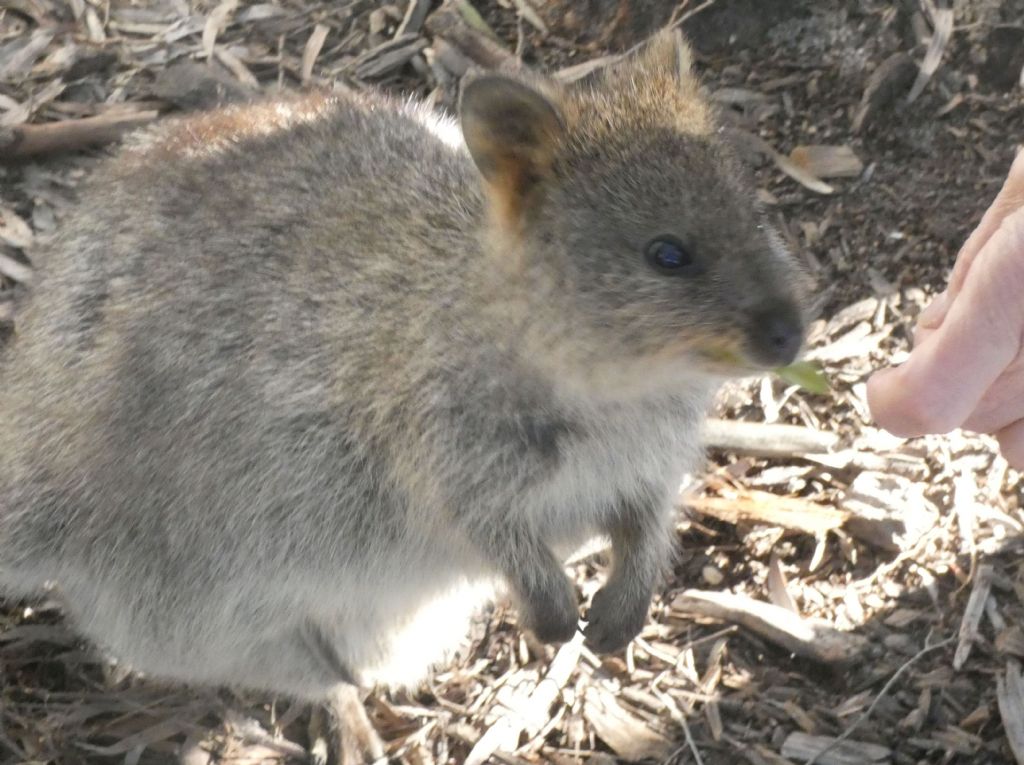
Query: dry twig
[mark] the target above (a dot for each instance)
(767, 439)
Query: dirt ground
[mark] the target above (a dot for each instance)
(902, 558)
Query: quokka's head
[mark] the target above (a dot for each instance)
(615, 202)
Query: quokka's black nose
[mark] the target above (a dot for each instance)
(776, 334)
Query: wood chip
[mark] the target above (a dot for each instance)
(712, 575)
(415, 15)
(972, 614)
(388, 57)
(888, 511)
(215, 22)
(15, 270)
(629, 737)
(739, 96)
(802, 746)
(528, 12)
(811, 638)
(14, 231)
(14, 113)
(965, 492)
(193, 753)
(778, 588)
(800, 175)
(827, 161)
(890, 79)
(476, 43)
(943, 30)
(1010, 640)
(859, 342)
(902, 618)
(18, 60)
(236, 67)
(529, 707)
(260, 12)
(1010, 697)
(748, 144)
(309, 53)
(97, 35)
(799, 716)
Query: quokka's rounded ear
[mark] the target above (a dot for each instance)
(512, 131)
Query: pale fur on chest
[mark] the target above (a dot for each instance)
(638, 450)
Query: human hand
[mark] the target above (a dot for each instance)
(967, 366)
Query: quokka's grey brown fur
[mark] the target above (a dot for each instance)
(301, 380)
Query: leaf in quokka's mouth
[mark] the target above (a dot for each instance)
(806, 374)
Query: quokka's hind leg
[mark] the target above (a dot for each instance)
(340, 730)
(341, 733)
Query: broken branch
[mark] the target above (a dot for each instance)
(767, 440)
(812, 638)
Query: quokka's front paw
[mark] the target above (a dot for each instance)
(615, 617)
(553, 614)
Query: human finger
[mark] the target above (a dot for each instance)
(1009, 199)
(947, 375)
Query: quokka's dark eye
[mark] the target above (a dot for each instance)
(670, 256)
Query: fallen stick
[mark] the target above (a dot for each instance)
(767, 440)
(811, 638)
(771, 510)
(68, 135)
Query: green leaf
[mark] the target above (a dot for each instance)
(806, 374)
